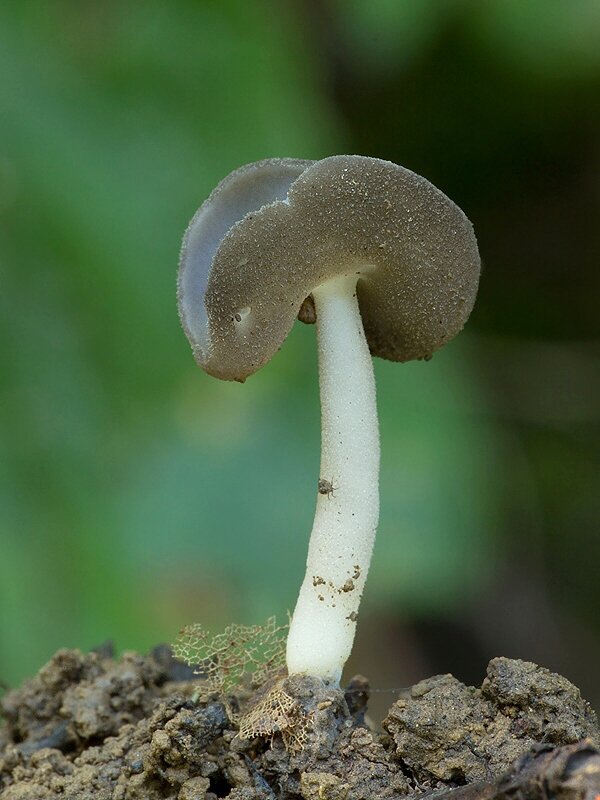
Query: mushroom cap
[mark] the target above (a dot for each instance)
(273, 231)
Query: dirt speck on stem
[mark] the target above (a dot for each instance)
(88, 726)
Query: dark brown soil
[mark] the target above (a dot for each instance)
(90, 727)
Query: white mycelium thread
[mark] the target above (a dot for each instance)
(341, 542)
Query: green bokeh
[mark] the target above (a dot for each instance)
(138, 494)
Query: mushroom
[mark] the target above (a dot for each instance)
(391, 266)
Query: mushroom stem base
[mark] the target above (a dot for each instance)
(324, 621)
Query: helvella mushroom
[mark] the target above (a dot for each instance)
(392, 267)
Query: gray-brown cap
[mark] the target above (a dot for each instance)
(272, 231)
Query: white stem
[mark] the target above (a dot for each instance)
(322, 628)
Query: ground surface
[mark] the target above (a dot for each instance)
(88, 726)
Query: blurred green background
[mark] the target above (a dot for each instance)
(137, 494)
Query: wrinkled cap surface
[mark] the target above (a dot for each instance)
(273, 231)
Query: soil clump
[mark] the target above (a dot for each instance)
(92, 727)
